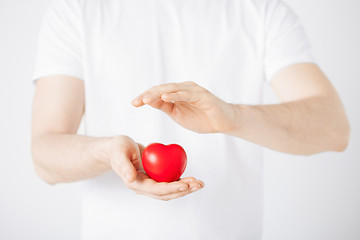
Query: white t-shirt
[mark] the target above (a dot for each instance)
(120, 48)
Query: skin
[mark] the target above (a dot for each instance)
(60, 155)
(310, 119)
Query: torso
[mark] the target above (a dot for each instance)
(132, 45)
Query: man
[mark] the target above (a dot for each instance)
(203, 64)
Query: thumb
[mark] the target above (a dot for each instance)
(122, 157)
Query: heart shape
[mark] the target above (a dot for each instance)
(164, 163)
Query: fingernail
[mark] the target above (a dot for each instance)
(182, 189)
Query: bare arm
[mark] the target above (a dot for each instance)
(91, 156)
(309, 120)
(60, 155)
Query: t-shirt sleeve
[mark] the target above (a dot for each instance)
(59, 49)
(286, 42)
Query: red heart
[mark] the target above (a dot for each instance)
(164, 163)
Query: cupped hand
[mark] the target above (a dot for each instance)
(191, 106)
(125, 160)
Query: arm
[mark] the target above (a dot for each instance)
(309, 120)
(60, 155)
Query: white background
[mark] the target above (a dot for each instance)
(312, 198)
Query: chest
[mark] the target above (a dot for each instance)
(133, 45)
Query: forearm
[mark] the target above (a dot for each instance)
(301, 127)
(69, 157)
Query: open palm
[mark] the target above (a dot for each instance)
(126, 162)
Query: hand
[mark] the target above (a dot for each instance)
(191, 106)
(125, 159)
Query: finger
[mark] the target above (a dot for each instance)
(167, 197)
(157, 103)
(162, 106)
(155, 92)
(177, 195)
(122, 156)
(138, 164)
(137, 102)
(147, 185)
(192, 179)
(151, 94)
(141, 148)
(180, 96)
(187, 179)
(202, 184)
(196, 186)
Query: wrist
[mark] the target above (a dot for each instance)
(101, 150)
(238, 119)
